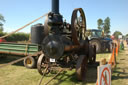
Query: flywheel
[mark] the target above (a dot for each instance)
(78, 26)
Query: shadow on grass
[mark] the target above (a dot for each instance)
(120, 73)
(65, 77)
(69, 77)
(7, 59)
(104, 52)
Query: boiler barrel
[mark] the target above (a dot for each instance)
(37, 34)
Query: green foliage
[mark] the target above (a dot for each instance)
(107, 26)
(104, 25)
(126, 35)
(2, 18)
(2, 33)
(100, 23)
(1, 28)
(1, 24)
(116, 34)
(20, 36)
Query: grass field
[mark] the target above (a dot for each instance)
(19, 75)
(120, 73)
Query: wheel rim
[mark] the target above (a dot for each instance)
(28, 61)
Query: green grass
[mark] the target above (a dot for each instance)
(103, 55)
(19, 75)
(120, 73)
(116, 77)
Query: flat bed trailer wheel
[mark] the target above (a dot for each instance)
(30, 62)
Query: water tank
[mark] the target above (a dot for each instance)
(37, 33)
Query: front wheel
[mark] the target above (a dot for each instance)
(42, 67)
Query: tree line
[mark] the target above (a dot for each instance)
(20, 36)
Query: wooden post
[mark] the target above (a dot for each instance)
(103, 62)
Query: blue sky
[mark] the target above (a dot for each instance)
(19, 12)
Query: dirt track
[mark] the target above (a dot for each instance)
(120, 74)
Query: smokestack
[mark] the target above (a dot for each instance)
(55, 6)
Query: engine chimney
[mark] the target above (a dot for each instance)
(55, 6)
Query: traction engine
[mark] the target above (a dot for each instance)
(65, 45)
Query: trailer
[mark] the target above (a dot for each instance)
(21, 50)
(25, 49)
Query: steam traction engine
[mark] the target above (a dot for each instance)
(65, 45)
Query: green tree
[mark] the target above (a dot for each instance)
(1, 22)
(20, 36)
(104, 25)
(127, 35)
(100, 23)
(107, 26)
(116, 34)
